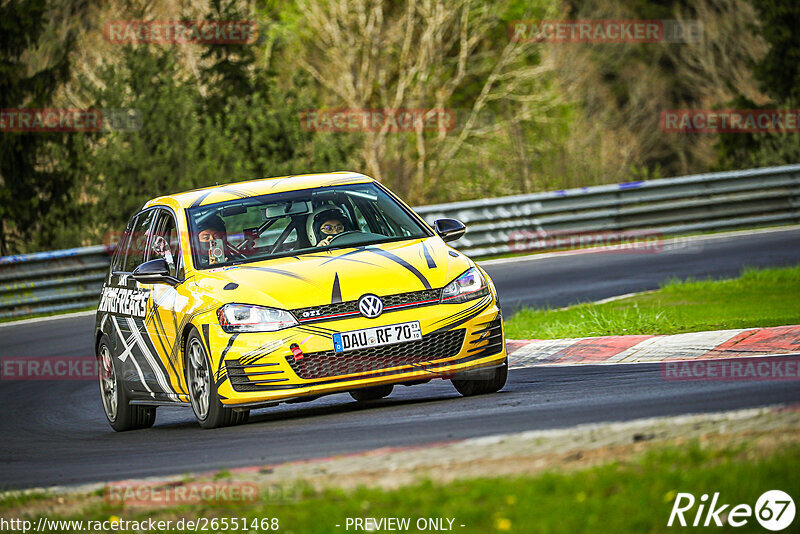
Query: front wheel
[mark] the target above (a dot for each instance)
(488, 381)
(208, 409)
(116, 405)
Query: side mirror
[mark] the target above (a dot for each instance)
(154, 272)
(449, 229)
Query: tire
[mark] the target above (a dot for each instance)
(478, 386)
(120, 414)
(208, 409)
(372, 393)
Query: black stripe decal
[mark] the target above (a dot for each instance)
(316, 332)
(404, 263)
(428, 257)
(228, 347)
(205, 336)
(229, 190)
(463, 319)
(199, 200)
(168, 353)
(222, 357)
(339, 257)
(344, 257)
(462, 312)
(336, 296)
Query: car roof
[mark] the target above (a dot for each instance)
(262, 186)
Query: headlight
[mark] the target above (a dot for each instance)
(468, 286)
(246, 318)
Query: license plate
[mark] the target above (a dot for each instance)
(376, 336)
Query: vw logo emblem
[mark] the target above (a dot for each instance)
(370, 306)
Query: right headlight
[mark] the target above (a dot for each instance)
(468, 286)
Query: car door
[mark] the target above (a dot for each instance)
(127, 304)
(166, 304)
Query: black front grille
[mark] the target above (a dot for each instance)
(255, 377)
(413, 297)
(329, 312)
(328, 364)
(316, 312)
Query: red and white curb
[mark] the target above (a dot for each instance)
(648, 349)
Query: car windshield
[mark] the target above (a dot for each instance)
(298, 222)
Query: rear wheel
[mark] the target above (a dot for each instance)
(488, 381)
(116, 405)
(372, 393)
(208, 409)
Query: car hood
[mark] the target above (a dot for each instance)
(337, 275)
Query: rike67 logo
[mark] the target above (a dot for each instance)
(774, 510)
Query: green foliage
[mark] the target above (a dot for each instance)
(779, 71)
(554, 117)
(36, 191)
(778, 74)
(245, 126)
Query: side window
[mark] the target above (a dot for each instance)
(138, 240)
(165, 242)
(121, 248)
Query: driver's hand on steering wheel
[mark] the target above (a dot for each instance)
(327, 241)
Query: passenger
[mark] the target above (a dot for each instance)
(213, 240)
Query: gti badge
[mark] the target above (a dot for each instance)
(370, 306)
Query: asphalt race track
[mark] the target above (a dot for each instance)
(54, 432)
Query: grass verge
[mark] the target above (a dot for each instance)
(758, 298)
(632, 494)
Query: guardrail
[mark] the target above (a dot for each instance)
(71, 279)
(670, 206)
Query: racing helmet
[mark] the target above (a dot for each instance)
(319, 216)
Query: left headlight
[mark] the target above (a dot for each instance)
(247, 318)
(468, 286)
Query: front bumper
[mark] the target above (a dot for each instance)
(259, 368)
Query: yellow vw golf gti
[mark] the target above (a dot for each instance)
(245, 295)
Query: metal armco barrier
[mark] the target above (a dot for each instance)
(71, 279)
(670, 206)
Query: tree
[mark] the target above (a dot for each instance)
(34, 189)
(778, 74)
(450, 55)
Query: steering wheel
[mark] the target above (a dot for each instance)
(337, 236)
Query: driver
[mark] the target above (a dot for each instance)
(330, 228)
(327, 224)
